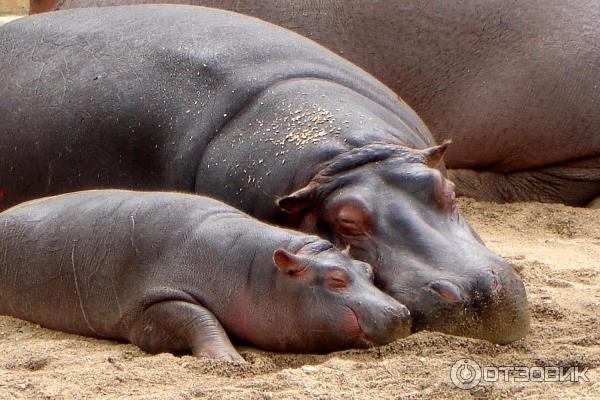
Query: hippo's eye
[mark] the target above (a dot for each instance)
(336, 279)
(353, 218)
(350, 227)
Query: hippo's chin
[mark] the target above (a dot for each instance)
(493, 324)
(399, 327)
(356, 331)
(498, 332)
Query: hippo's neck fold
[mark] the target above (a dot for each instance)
(255, 278)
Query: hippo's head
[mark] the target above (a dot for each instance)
(397, 212)
(333, 302)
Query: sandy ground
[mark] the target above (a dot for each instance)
(557, 247)
(13, 7)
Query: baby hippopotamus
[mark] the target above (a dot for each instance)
(172, 272)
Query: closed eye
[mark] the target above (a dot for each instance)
(337, 279)
(349, 227)
(336, 283)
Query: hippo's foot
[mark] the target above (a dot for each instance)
(574, 183)
(177, 326)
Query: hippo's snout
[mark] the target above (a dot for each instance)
(491, 305)
(487, 286)
(397, 314)
(393, 322)
(400, 322)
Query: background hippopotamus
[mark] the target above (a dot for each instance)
(514, 84)
(179, 98)
(174, 272)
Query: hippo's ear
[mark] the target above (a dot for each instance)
(300, 200)
(288, 263)
(435, 154)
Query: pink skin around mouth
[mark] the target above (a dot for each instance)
(353, 328)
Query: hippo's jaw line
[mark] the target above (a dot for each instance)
(358, 332)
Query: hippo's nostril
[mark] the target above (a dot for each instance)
(447, 290)
(494, 286)
(490, 284)
(397, 314)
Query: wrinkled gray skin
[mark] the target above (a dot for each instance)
(514, 84)
(179, 98)
(175, 272)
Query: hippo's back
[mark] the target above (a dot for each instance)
(88, 262)
(129, 97)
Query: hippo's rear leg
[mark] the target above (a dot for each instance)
(175, 326)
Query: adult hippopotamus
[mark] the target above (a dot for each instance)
(179, 98)
(514, 84)
(175, 272)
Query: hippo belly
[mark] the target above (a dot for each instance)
(513, 85)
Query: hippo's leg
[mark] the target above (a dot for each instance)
(175, 326)
(574, 183)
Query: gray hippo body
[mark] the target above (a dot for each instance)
(206, 101)
(174, 272)
(514, 84)
(77, 89)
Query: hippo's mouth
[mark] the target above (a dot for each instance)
(353, 327)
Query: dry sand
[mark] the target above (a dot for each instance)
(5, 19)
(558, 248)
